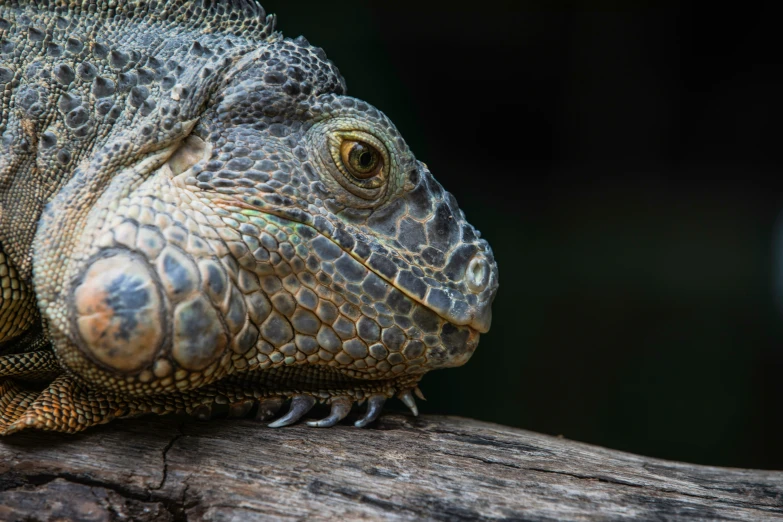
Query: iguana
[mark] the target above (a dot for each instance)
(193, 212)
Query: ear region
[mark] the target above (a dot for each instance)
(119, 315)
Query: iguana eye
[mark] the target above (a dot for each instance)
(363, 161)
(360, 159)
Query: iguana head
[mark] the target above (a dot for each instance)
(278, 225)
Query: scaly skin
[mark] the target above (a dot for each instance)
(193, 212)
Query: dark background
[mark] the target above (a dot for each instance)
(624, 164)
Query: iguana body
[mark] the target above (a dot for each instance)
(193, 212)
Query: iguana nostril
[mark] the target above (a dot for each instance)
(477, 274)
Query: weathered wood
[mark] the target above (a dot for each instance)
(432, 467)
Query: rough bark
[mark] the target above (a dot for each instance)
(443, 468)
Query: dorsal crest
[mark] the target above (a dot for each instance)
(240, 17)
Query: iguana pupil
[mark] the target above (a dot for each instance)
(365, 159)
(193, 211)
(363, 156)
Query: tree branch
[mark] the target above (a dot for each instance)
(164, 469)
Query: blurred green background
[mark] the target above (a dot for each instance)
(624, 164)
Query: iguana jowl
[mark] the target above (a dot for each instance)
(192, 212)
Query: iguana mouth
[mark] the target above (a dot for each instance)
(478, 273)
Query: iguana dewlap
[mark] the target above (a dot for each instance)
(193, 212)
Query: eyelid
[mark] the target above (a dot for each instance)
(337, 138)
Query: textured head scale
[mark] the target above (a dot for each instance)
(395, 244)
(241, 215)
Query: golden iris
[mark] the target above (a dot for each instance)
(361, 160)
